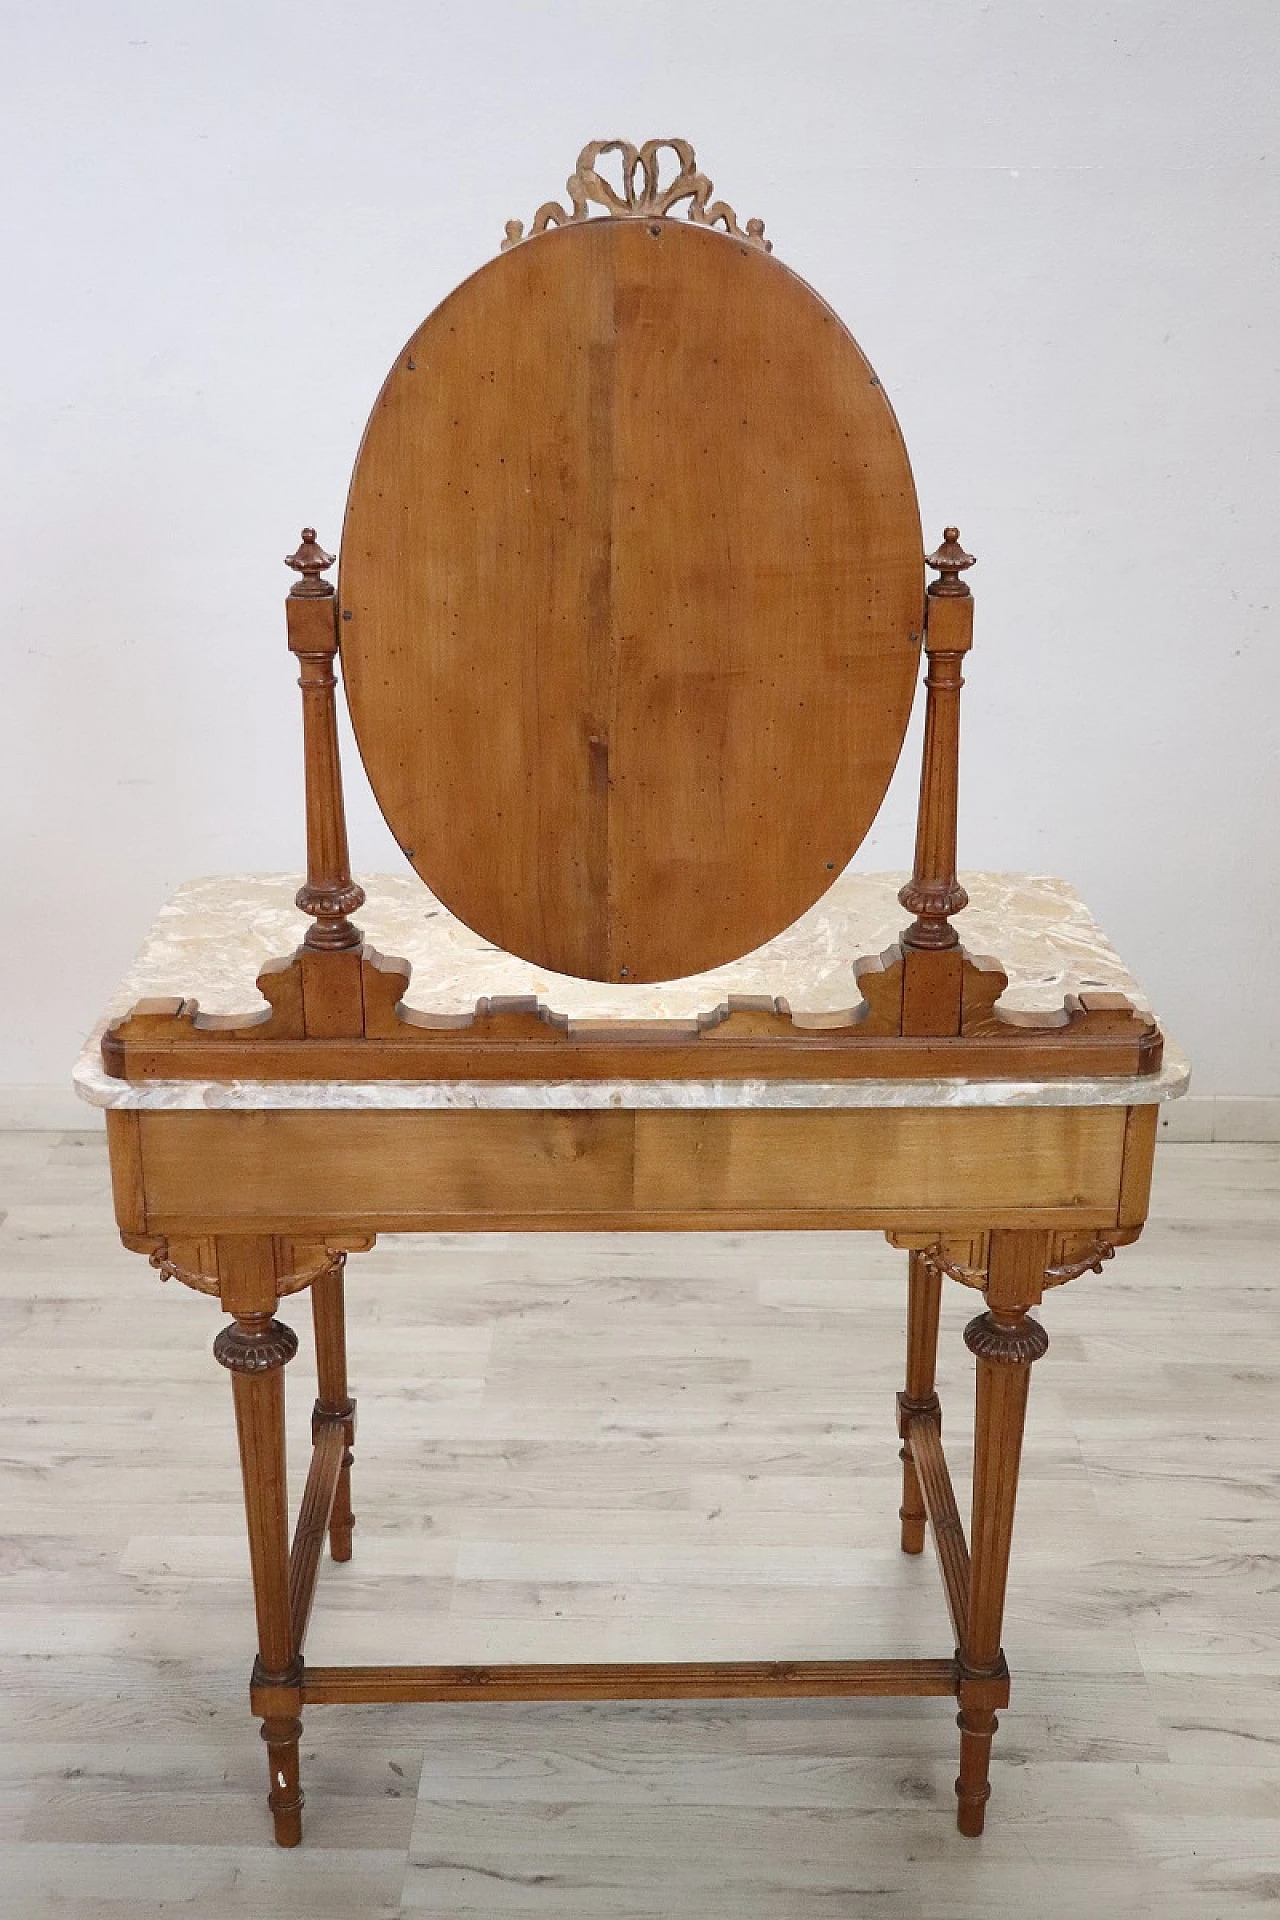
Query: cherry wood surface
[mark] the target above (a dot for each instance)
(312, 1174)
(633, 1680)
(632, 598)
(919, 1398)
(630, 610)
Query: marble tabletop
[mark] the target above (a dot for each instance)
(211, 939)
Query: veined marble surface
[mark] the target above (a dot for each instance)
(210, 941)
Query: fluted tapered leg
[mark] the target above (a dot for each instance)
(255, 1348)
(1006, 1344)
(924, 1294)
(334, 1403)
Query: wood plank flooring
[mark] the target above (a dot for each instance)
(670, 1448)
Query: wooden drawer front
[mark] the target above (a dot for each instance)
(891, 1159)
(675, 1168)
(378, 1168)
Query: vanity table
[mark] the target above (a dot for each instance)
(630, 612)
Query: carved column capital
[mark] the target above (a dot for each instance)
(1009, 1338)
(255, 1343)
(932, 902)
(329, 906)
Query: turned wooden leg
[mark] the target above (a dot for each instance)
(255, 1348)
(924, 1294)
(334, 1403)
(1005, 1343)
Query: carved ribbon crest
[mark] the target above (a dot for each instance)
(641, 193)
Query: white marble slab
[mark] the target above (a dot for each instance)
(211, 939)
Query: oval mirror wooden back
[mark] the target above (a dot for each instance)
(632, 594)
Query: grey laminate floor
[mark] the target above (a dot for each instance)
(643, 1447)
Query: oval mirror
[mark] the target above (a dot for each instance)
(632, 594)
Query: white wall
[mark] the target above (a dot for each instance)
(1053, 229)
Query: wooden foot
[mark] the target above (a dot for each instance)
(973, 1788)
(255, 1349)
(1006, 1344)
(924, 1294)
(334, 1402)
(285, 1797)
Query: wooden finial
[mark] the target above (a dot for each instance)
(310, 561)
(950, 560)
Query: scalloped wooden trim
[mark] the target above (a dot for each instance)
(640, 195)
(745, 1037)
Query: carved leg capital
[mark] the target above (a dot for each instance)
(1008, 1337)
(255, 1343)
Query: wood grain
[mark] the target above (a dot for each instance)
(318, 1172)
(632, 595)
(924, 1300)
(314, 1512)
(901, 1161)
(255, 1349)
(333, 1400)
(127, 1182)
(1139, 1160)
(1005, 1343)
(944, 1517)
(634, 1680)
